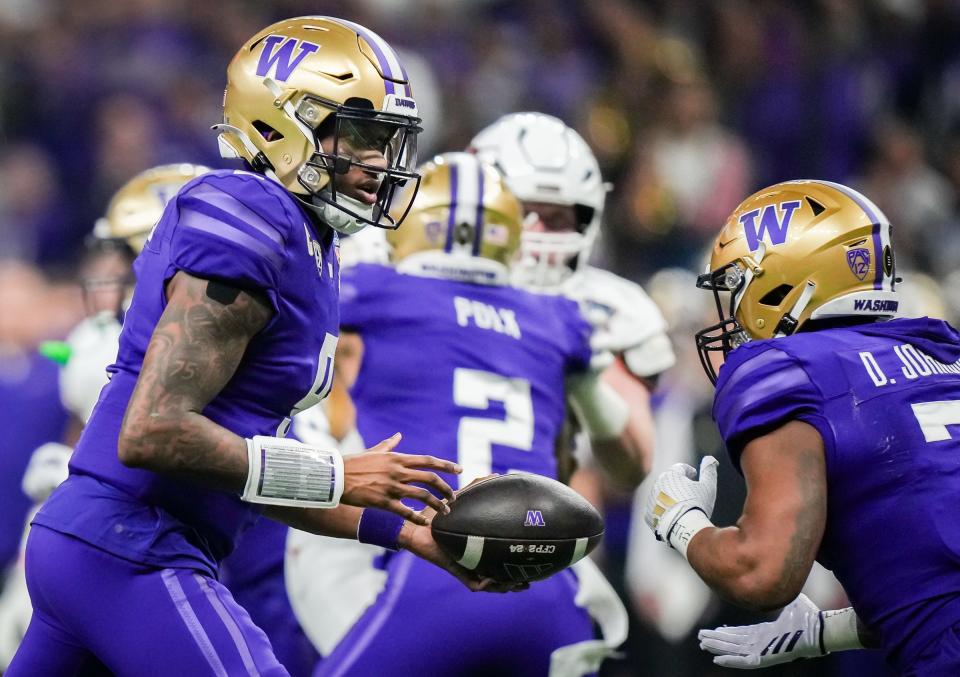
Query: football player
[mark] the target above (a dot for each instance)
(106, 279)
(231, 331)
(552, 170)
(254, 570)
(479, 368)
(842, 422)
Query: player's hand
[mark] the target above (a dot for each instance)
(795, 634)
(380, 477)
(418, 540)
(46, 470)
(677, 491)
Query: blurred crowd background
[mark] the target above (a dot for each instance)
(689, 106)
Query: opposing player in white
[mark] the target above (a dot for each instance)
(552, 170)
(107, 282)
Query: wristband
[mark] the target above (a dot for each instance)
(286, 472)
(600, 410)
(686, 527)
(379, 527)
(838, 630)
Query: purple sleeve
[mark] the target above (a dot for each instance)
(759, 394)
(232, 227)
(358, 287)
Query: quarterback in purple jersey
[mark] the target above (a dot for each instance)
(482, 371)
(843, 423)
(231, 331)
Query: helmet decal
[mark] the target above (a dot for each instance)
(881, 228)
(282, 61)
(859, 261)
(774, 222)
(465, 221)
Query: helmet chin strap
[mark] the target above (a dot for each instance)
(336, 217)
(788, 323)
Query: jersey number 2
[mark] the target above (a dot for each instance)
(476, 436)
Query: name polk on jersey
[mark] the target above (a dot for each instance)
(484, 316)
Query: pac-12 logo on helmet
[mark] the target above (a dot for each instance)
(794, 252)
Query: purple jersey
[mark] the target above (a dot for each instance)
(885, 398)
(249, 231)
(468, 372)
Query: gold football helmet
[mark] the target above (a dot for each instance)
(135, 209)
(794, 252)
(305, 80)
(465, 223)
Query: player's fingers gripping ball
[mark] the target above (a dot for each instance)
(676, 493)
(518, 527)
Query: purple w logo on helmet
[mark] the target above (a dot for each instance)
(282, 60)
(774, 222)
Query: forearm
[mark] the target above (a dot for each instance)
(739, 571)
(339, 522)
(746, 571)
(195, 349)
(637, 439)
(616, 418)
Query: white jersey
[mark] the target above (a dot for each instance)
(93, 347)
(625, 320)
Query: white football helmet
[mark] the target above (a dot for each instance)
(545, 161)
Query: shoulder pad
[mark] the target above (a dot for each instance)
(759, 389)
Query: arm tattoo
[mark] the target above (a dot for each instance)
(194, 351)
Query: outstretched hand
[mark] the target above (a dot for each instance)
(381, 477)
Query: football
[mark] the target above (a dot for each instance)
(518, 527)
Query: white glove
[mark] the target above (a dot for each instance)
(679, 505)
(795, 634)
(46, 470)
